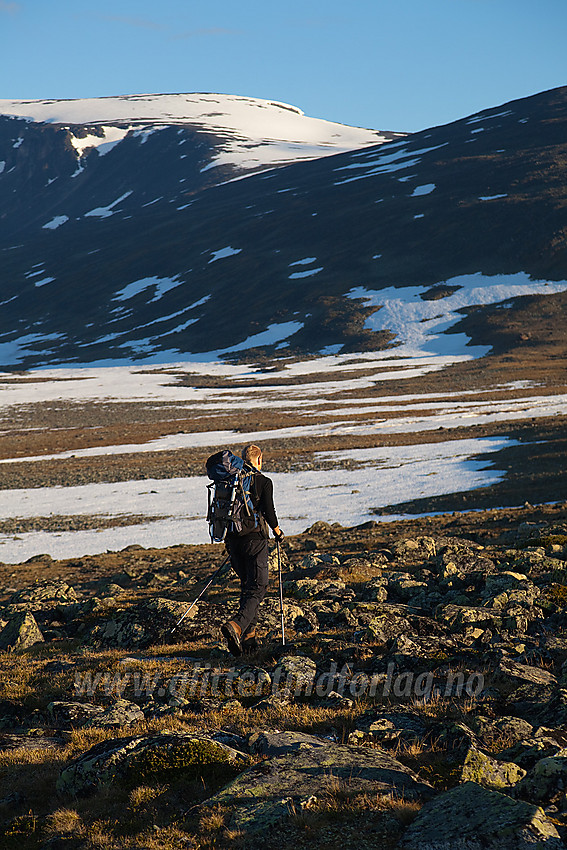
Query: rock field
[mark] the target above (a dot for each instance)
(420, 699)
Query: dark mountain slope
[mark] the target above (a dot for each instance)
(486, 194)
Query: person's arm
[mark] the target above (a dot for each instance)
(266, 504)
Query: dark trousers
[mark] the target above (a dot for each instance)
(249, 559)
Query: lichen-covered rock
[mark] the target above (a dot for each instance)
(21, 632)
(121, 713)
(509, 729)
(546, 781)
(489, 772)
(262, 796)
(140, 626)
(68, 713)
(388, 728)
(295, 674)
(470, 817)
(280, 743)
(41, 596)
(462, 617)
(143, 757)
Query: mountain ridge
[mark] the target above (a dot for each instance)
(484, 194)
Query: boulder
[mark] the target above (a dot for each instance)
(545, 783)
(121, 713)
(264, 795)
(145, 624)
(470, 817)
(281, 743)
(21, 632)
(72, 714)
(509, 729)
(145, 757)
(487, 771)
(43, 595)
(388, 728)
(295, 673)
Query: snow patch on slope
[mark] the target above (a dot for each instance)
(420, 325)
(104, 143)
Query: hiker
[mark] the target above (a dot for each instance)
(248, 550)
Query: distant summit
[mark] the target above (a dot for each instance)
(244, 133)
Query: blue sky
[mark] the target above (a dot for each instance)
(374, 63)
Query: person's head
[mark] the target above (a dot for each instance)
(253, 456)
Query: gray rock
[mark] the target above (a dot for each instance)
(281, 743)
(532, 675)
(295, 674)
(512, 729)
(471, 817)
(144, 757)
(43, 595)
(545, 783)
(145, 624)
(263, 796)
(21, 632)
(388, 728)
(68, 713)
(487, 771)
(121, 713)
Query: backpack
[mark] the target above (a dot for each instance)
(230, 505)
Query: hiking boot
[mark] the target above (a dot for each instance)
(232, 631)
(249, 641)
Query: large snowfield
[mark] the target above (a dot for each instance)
(255, 132)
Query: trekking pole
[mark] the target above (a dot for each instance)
(281, 589)
(216, 573)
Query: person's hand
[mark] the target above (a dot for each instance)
(278, 533)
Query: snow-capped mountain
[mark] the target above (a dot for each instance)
(125, 234)
(240, 133)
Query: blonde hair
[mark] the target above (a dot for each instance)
(252, 454)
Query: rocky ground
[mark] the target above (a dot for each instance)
(420, 699)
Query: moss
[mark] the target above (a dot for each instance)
(553, 540)
(196, 758)
(558, 593)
